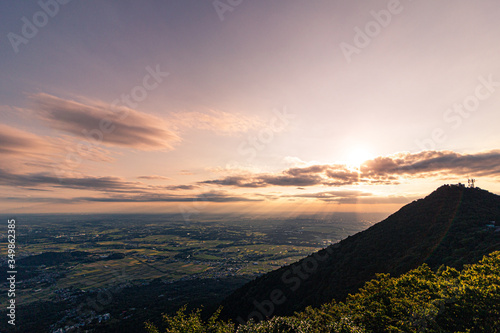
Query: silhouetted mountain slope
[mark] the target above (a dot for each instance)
(448, 227)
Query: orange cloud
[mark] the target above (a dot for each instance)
(154, 177)
(381, 170)
(17, 142)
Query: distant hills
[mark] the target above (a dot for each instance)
(452, 226)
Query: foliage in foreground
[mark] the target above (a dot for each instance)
(418, 301)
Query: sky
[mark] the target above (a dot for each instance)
(237, 106)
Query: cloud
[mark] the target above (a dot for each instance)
(294, 161)
(32, 152)
(332, 195)
(392, 199)
(381, 170)
(83, 183)
(51, 200)
(29, 152)
(17, 142)
(102, 123)
(213, 196)
(205, 197)
(436, 163)
(109, 184)
(297, 177)
(220, 122)
(116, 189)
(154, 177)
(390, 169)
(181, 187)
(353, 197)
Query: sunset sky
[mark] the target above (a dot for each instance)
(240, 106)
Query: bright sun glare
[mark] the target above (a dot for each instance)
(357, 156)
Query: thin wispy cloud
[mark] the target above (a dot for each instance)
(332, 195)
(106, 124)
(29, 152)
(219, 122)
(213, 196)
(181, 187)
(17, 142)
(206, 197)
(48, 180)
(154, 177)
(352, 197)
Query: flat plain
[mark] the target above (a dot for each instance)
(63, 260)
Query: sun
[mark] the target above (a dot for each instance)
(357, 156)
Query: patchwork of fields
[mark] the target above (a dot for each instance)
(63, 259)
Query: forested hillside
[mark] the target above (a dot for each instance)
(418, 301)
(452, 226)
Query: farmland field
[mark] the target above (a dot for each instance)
(66, 260)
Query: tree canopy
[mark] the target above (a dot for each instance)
(420, 300)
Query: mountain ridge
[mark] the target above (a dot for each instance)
(447, 227)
